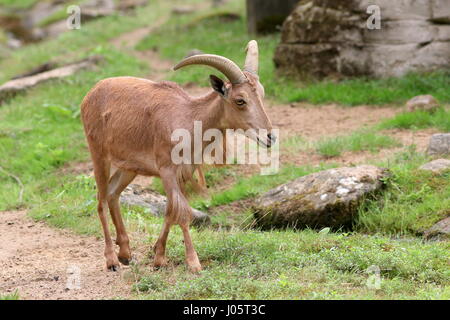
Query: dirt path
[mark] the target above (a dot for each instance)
(45, 263)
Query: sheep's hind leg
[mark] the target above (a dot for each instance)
(178, 212)
(117, 183)
(101, 172)
(192, 260)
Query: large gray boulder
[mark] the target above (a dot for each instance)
(439, 144)
(135, 195)
(328, 198)
(331, 37)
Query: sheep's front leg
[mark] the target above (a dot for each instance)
(178, 212)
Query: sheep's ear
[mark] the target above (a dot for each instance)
(218, 85)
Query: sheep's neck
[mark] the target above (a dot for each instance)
(209, 110)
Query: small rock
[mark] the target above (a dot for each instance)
(94, 9)
(327, 198)
(218, 3)
(182, 10)
(440, 230)
(436, 166)
(156, 203)
(14, 43)
(439, 144)
(88, 14)
(131, 4)
(422, 103)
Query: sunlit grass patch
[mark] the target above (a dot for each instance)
(419, 120)
(360, 91)
(363, 140)
(298, 265)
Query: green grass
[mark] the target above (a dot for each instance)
(297, 265)
(41, 131)
(419, 120)
(294, 144)
(17, 4)
(58, 15)
(376, 92)
(229, 39)
(76, 44)
(363, 140)
(416, 199)
(67, 202)
(11, 296)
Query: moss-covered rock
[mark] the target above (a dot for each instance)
(328, 198)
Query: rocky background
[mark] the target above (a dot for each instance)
(331, 37)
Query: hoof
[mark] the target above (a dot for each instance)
(159, 263)
(113, 268)
(112, 263)
(125, 261)
(194, 267)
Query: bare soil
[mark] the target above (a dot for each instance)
(43, 263)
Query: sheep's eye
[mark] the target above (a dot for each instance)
(240, 102)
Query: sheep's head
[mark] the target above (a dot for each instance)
(243, 94)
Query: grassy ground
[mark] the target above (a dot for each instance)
(419, 120)
(17, 4)
(416, 199)
(40, 132)
(362, 140)
(299, 265)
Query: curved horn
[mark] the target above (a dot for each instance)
(252, 59)
(224, 65)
